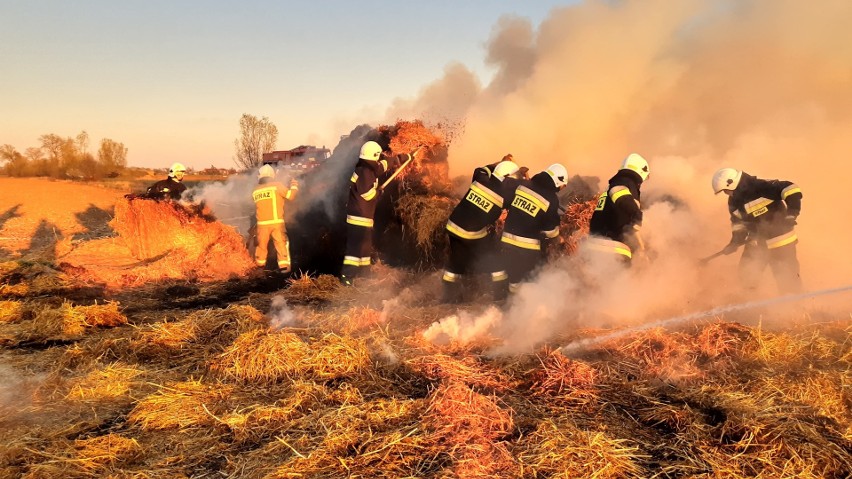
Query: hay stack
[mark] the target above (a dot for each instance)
(161, 240)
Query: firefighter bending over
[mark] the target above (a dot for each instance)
(364, 193)
(617, 219)
(269, 197)
(471, 230)
(532, 223)
(763, 218)
(171, 188)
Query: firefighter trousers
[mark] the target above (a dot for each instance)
(472, 257)
(782, 260)
(519, 263)
(359, 250)
(277, 234)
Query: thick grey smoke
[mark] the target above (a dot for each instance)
(696, 85)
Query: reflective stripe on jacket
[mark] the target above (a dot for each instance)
(269, 197)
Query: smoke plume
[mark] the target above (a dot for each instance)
(759, 85)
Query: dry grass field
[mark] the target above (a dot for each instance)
(258, 377)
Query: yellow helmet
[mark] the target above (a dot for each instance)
(177, 171)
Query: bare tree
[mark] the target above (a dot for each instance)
(112, 156)
(257, 136)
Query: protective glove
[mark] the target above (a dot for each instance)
(294, 184)
(523, 173)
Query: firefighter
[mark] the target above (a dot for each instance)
(763, 219)
(471, 233)
(532, 222)
(364, 193)
(269, 197)
(171, 188)
(617, 219)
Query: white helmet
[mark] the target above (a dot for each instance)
(558, 173)
(635, 162)
(177, 169)
(726, 179)
(505, 168)
(266, 171)
(370, 151)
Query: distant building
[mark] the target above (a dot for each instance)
(299, 158)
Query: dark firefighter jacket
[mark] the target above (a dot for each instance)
(618, 212)
(269, 197)
(764, 210)
(165, 189)
(533, 213)
(482, 204)
(364, 188)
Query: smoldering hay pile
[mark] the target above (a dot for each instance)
(410, 215)
(159, 241)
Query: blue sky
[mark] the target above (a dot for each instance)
(170, 79)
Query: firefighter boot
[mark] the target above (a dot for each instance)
(452, 292)
(499, 290)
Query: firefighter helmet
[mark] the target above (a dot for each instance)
(558, 173)
(370, 151)
(726, 179)
(266, 171)
(635, 162)
(505, 168)
(177, 171)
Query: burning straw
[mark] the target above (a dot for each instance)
(163, 240)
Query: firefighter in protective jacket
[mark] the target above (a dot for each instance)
(364, 193)
(171, 188)
(269, 197)
(617, 219)
(471, 233)
(763, 218)
(532, 222)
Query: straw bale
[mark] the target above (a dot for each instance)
(425, 217)
(180, 405)
(560, 449)
(466, 369)
(111, 382)
(559, 375)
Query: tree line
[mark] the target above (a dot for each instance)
(67, 157)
